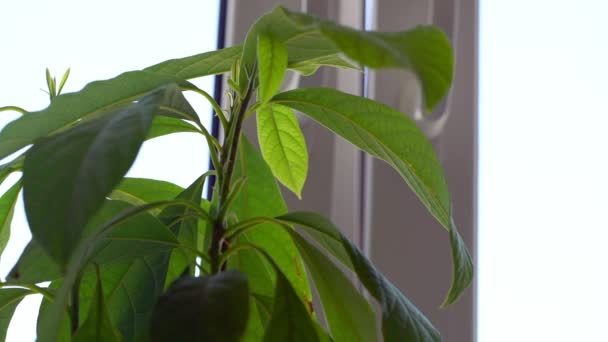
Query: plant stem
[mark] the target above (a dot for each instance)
(75, 308)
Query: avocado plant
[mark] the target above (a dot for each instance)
(133, 259)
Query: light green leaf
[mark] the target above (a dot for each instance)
(34, 266)
(349, 315)
(138, 191)
(204, 64)
(65, 110)
(7, 207)
(261, 196)
(67, 176)
(425, 50)
(309, 67)
(163, 125)
(283, 146)
(391, 136)
(272, 64)
(208, 308)
(401, 320)
(98, 325)
(9, 299)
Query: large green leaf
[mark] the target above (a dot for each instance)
(9, 299)
(283, 146)
(140, 236)
(208, 63)
(425, 50)
(163, 125)
(349, 315)
(272, 64)
(208, 308)
(65, 110)
(98, 326)
(401, 320)
(394, 138)
(67, 176)
(7, 207)
(260, 196)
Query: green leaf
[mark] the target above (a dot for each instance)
(67, 176)
(401, 320)
(139, 236)
(162, 125)
(425, 50)
(283, 146)
(391, 136)
(349, 315)
(65, 110)
(462, 264)
(9, 299)
(64, 79)
(260, 196)
(7, 207)
(272, 64)
(208, 63)
(309, 67)
(139, 191)
(208, 308)
(98, 325)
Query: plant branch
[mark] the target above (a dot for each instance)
(14, 109)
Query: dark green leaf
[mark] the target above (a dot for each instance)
(401, 320)
(98, 325)
(208, 63)
(462, 265)
(209, 308)
(283, 146)
(9, 299)
(425, 50)
(272, 64)
(96, 98)
(34, 266)
(382, 132)
(67, 176)
(349, 315)
(7, 207)
(261, 196)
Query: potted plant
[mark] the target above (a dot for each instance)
(141, 259)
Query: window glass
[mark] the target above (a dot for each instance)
(99, 40)
(543, 166)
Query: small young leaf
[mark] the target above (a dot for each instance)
(67, 176)
(64, 79)
(283, 146)
(98, 325)
(272, 64)
(7, 207)
(208, 308)
(9, 299)
(401, 320)
(349, 315)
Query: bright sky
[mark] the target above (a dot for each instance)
(543, 171)
(99, 40)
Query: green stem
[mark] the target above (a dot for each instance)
(14, 109)
(216, 107)
(75, 307)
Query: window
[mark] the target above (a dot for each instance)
(542, 174)
(99, 40)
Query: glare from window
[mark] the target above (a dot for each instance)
(99, 40)
(543, 171)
